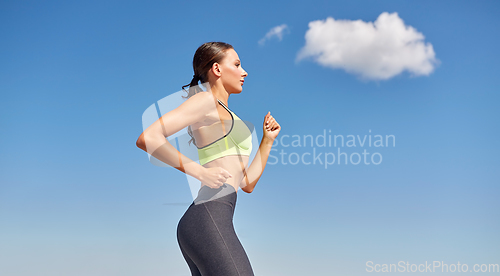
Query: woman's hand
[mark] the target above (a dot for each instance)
(271, 127)
(214, 177)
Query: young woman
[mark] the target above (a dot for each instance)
(205, 233)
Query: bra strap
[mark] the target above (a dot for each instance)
(224, 106)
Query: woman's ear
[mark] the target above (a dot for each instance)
(216, 69)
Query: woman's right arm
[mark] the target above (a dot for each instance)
(159, 147)
(153, 139)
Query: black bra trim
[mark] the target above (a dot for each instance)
(232, 124)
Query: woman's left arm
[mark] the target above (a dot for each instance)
(271, 129)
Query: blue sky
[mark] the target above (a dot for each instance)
(78, 198)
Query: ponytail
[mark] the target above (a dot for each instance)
(193, 86)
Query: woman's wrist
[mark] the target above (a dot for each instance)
(267, 141)
(195, 170)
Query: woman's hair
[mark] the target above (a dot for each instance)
(204, 57)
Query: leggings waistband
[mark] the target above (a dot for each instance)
(225, 192)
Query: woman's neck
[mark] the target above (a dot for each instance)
(220, 93)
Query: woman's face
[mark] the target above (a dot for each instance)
(232, 74)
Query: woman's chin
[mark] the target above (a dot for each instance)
(238, 90)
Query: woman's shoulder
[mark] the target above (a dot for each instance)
(203, 96)
(201, 101)
(204, 103)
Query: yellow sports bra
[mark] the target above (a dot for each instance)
(238, 141)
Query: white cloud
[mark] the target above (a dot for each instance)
(277, 31)
(373, 50)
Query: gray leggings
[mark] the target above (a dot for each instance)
(207, 238)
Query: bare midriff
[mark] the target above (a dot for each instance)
(234, 164)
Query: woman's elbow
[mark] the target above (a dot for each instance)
(247, 189)
(141, 142)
